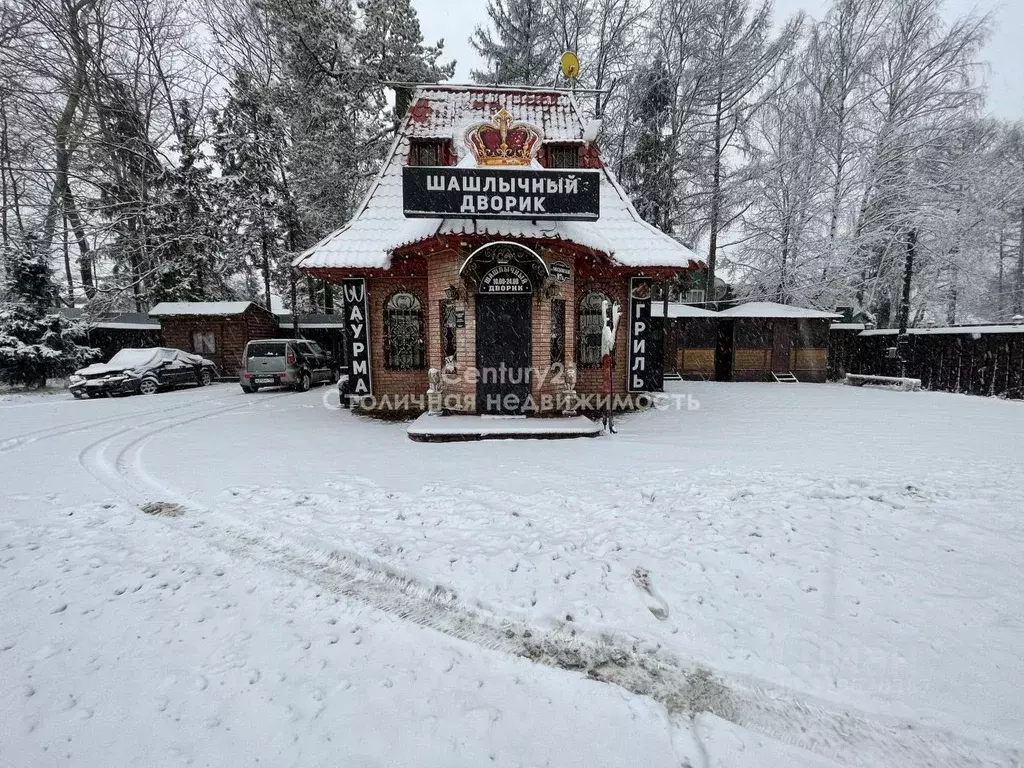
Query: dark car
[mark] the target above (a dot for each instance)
(143, 371)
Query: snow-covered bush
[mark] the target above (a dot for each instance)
(35, 342)
(34, 349)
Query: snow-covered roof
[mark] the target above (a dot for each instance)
(116, 325)
(113, 321)
(218, 308)
(312, 321)
(678, 309)
(956, 329)
(772, 309)
(379, 226)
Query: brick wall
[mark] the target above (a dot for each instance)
(442, 271)
(591, 380)
(386, 380)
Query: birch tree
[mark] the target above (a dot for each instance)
(743, 56)
(925, 83)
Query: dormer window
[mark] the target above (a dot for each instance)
(563, 155)
(427, 152)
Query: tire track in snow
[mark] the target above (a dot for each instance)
(683, 687)
(117, 476)
(27, 438)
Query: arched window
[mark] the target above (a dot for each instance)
(592, 323)
(403, 332)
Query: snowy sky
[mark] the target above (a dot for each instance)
(454, 20)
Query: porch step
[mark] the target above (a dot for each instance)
(445, 429)
(786, 377)
(673, 376)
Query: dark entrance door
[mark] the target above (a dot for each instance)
(781, 343)
(723, 350)
(503, 352)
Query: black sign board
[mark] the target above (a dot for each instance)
(501, 193)
(505, 278)
(560, 271)
(357, 336)
(460, 318)
(644, 357)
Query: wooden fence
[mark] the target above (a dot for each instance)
(980, 360)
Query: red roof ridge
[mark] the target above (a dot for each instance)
(486, 88)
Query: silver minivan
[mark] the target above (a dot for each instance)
(294, 363)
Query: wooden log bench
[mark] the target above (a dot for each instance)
(905, 384)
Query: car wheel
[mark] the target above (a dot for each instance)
(334, 377)
(77, 395)
(248, 390)
(305, 382)
(148, 386)
(205, 377)
(93, 395)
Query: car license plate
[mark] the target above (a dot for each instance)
(264, 380)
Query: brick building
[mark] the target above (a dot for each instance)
(488, 253)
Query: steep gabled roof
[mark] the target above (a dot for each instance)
(379, 225)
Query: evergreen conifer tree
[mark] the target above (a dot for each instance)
(36, 343)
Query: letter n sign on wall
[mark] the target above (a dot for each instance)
(357, 337)
(644, 354)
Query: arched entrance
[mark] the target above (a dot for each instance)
(504, 277)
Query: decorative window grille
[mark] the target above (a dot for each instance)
(591, 325)
(449, 352)
(563, 156)
(403, 333)
(557, 331)
(428, 152)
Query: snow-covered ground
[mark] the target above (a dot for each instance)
(788, 575)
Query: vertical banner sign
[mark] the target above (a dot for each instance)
(357, 337)
(644, 358)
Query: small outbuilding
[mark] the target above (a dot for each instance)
(691, 337)
(217, 330)
(761, 340)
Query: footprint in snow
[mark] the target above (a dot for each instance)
(655, 602)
